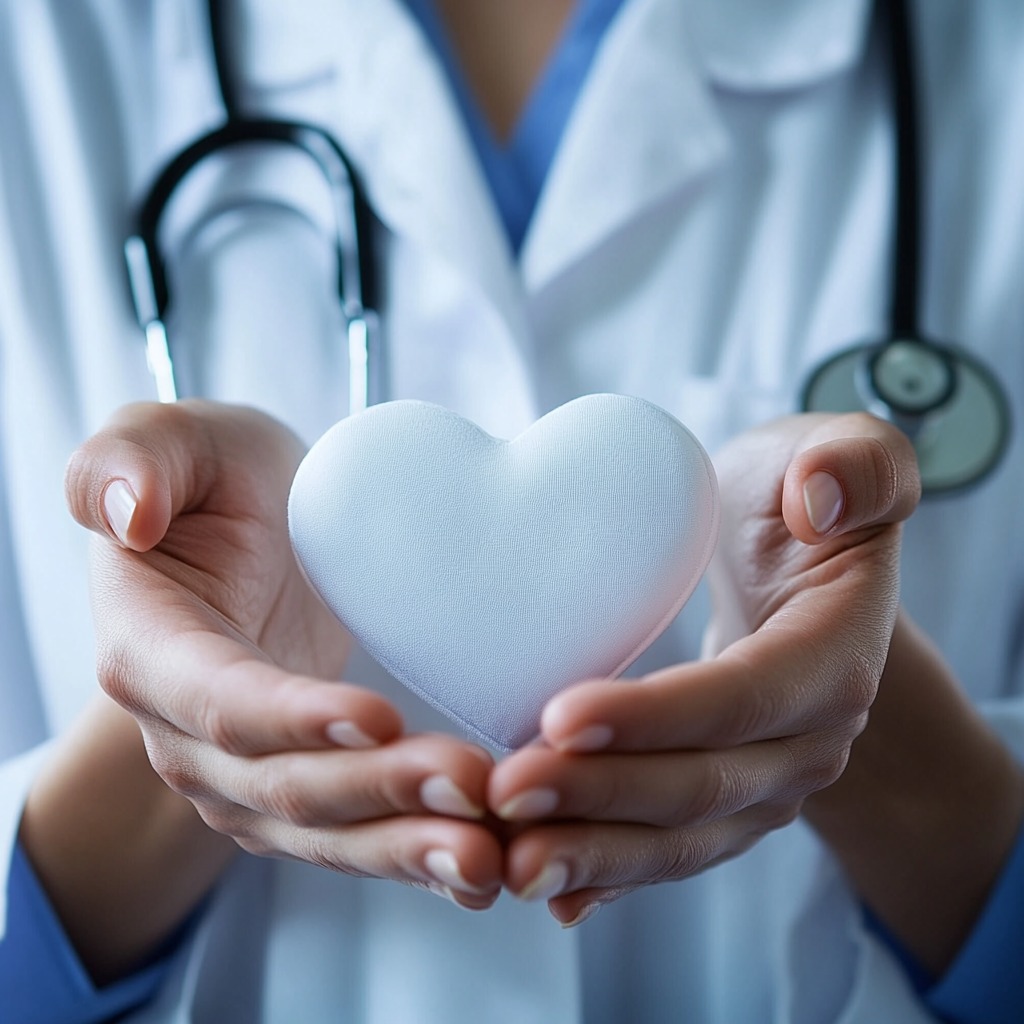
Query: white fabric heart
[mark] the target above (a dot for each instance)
(488, 575)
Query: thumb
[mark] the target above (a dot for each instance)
(153, 461)
(854, 471)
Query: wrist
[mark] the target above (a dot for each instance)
(124, 860)
(928, 808)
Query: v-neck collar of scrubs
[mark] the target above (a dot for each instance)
(517, 169)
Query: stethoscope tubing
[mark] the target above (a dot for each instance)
(358, 291)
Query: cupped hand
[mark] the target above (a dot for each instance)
(209, 634)
(644, 781)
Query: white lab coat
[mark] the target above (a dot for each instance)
(717, 220)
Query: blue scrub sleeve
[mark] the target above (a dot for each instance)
(42, 980)
(985, 982)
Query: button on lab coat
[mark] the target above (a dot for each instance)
(718, 218)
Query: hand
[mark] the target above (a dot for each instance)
(646, 781)
(208, 633)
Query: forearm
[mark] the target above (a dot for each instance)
(928, 807)
(124, 859)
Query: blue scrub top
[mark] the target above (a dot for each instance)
(517, 169)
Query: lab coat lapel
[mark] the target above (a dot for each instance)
(643, 128)
(646, 125)
(402, 123)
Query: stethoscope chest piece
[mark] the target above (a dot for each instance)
(949, 405)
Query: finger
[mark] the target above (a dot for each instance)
(443, 854)
(553, 861)
(669, 790)
(153, 461)
(416, 775)
(212, 689)
(762, 687)
(814, 665)
(853, 471)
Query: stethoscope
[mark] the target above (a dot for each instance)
(353, 220)
(950, 405)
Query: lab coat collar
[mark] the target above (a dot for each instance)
(643, 127)
(423, 175)
(367, 72)
(786, 44)
(646, 124)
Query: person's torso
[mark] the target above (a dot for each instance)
(717, 219)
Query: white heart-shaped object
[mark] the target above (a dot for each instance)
(488, 575)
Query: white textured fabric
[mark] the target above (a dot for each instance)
(487, 575)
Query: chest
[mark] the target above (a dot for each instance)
(502, 49)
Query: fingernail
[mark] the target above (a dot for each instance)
(593, 737)
(440, 794)
(550, 882)
(823, 500)
(348, 734)
(462, 900)
(119, 504)
(533, 803)
(445, 868)
(445, 893)
(587, 911)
